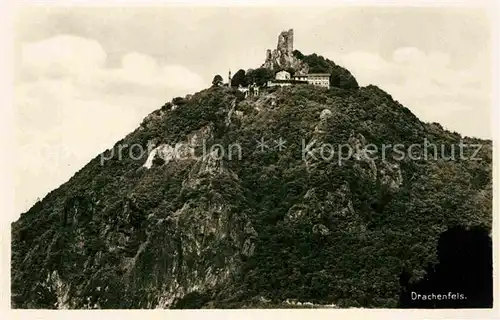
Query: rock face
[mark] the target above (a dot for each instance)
(282, 57)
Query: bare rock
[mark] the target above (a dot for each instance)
(320, 229)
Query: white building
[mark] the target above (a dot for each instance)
(282, 75)
(300, 77)
(319, 79)
(271, 83)
(283, 79)
(243, 90)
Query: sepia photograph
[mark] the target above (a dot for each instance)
(174, 156)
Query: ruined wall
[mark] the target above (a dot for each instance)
(285, 41)
(282, 57)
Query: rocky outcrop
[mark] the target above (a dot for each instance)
(282, 57)
(183, 150)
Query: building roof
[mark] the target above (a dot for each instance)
(287, 81)
(319, 74)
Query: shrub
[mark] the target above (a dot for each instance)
(179, 101)
(217, 81)
(239, 78)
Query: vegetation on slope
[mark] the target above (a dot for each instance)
(119, 235)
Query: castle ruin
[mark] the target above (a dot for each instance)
(285, 40)
(282, 57)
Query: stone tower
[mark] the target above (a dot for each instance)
(229, 79)
(282, 57)
(289, 44)
(285, 42)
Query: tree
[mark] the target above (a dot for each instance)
(298, 54)
(167, 106)
(259, 76)
(239, 78)
(339, 77)
(217, 81)
(179, 101)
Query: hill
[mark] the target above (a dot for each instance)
(202, 206)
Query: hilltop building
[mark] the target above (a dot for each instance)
(252, 90)
(319, 79)
(283, 79)
(282, 75)
(283, 59)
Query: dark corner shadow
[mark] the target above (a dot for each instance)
(464, 273)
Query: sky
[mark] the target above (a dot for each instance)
(85, 77)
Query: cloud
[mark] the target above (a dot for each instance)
(82, 61)
(428, 84)
(62, 56)
(144, 72)
(70, 106)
